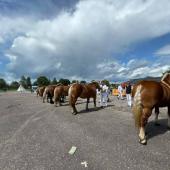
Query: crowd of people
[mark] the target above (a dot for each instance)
(105, 91)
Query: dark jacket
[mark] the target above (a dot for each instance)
(128, 89)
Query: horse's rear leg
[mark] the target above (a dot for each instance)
(156, 116)
(94, 100)
(144, 119)
(44, 96)
(72, 103)
(169, 117)
(87, 104)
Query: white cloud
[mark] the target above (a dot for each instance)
(12, 27)
(8, 77)
(75, 44)
(115, 70)
(164, 51)
(1, 40)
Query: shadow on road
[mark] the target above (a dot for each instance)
(89, 110)
(93, 109)
(153, 130)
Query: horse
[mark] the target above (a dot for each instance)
(59, 92)
(148, 95)
(49, 93)
(83, 91)
(40, 91)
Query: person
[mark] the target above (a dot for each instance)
(120, 91)
(128, 93)
(103, 94)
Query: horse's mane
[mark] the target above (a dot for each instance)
(93, 82)
(164, 78)
(59, 84)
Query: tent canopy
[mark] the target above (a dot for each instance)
(21, 88)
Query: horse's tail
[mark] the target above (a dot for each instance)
(55, 95)
(37, 91)
(44, 95)
(70, 94)
(137, 106)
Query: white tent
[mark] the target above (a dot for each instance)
(21, 89)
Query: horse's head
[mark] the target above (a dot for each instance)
(96, 84)
(166, 78)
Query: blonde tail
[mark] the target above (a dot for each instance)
(69, 94)
(44, 95)
(137, 106)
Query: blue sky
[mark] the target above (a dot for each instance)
(87, 39)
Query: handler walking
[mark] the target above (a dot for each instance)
(103, 94)
(128, 93)
(120, 91)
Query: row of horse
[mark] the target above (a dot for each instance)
(147, 95)
(56, 92)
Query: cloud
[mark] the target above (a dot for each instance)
(13, 27)
(1, 40)
(135, 68)
(164, 51)
(35, 8)
(82, 42)
(8, 77)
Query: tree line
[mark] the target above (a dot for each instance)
(43, 81)
(40, 81)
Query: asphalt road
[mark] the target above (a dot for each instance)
(39, 136)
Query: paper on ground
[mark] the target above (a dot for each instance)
(72, 150)
(84, 163)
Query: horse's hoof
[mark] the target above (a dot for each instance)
(74, 113)
(143, 141)
(157, 124)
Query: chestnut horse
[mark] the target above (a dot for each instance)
(146, 96)
(49, 93)
(83, 91)
(40, 91)
(59, 92)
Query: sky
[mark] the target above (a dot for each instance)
(84, 39)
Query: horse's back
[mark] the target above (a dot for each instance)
(151, 92)
(65, 90)
(61, 89)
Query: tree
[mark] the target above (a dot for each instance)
(14, 85)
(54, 81)
(3, 84)
(83, 82)
(74, 81)
(28, 82)
(23, 81)
(42, 81)
(106, 82)
(35, 83)
(64, 81)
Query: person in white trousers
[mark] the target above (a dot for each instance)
(120, 91)
(128, 93)
(103, 95)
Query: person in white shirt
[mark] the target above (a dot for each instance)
(103, 94)
(120, 91)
